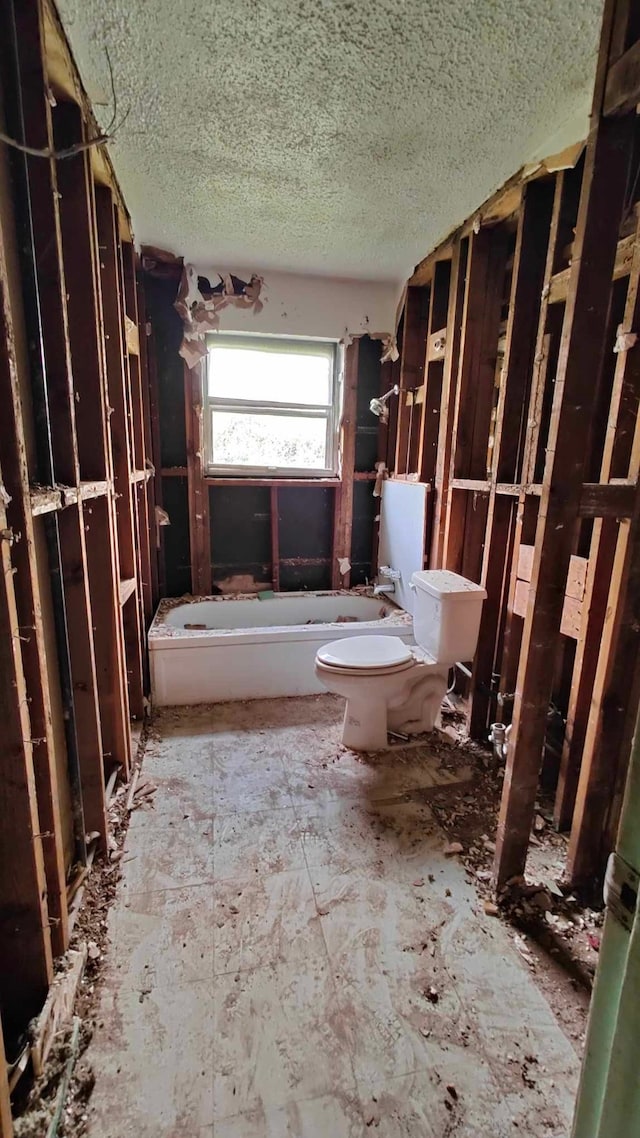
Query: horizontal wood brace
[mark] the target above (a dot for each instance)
(48, 499)
(559, 284)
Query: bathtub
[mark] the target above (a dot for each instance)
(203, 650)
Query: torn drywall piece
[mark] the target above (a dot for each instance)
(344, 566)
(390, 351)
(624, 341)
(381, 469)
(199, 304)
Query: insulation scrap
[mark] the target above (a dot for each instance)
(199, 304)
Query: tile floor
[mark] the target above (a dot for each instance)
(292, 956)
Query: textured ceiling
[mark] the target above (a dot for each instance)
(341, 137)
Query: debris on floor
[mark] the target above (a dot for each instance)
(362, 887)
(562, 935)
(40, 1105)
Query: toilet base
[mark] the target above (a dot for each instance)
(365, 726)
(419, 712)
(367, 722)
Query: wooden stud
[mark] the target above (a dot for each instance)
(25, 939)
(83, 668)
(140, 407)
(601, 204)
(44, 196)
(413, 359)
(199, 537)
(117, 378)
(528, 271)
(99, 541)
(344, 512)
(154, 480)
(621, 426)
(14, 382)
(605, 694)
(429, 426)
(133, 611)
(474, 390)
(275, 539)
(448, 403)
(336, 538)
(73, 178)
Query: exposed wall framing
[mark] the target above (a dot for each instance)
(242, 534)
(76, 498)
(529, 313)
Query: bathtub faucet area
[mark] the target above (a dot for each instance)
(391, 575)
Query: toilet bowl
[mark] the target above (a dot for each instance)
(386, 684)
(389, 685)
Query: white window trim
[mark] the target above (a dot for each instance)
(330, 411)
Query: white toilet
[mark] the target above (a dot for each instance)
(391, 686)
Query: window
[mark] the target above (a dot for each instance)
(271, 406)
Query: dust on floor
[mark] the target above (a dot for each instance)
(293, 954)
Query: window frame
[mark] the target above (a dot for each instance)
(329, 411)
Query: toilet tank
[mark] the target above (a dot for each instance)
(446, 615)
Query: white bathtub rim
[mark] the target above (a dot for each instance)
(163, 636)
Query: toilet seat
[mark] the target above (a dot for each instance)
(372, 673)
(366, 655)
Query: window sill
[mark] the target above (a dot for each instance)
(275, 480)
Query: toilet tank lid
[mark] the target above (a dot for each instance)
(444, 583)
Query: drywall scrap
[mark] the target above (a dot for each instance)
(199, 304)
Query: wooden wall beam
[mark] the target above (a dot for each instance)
(132, 605)
(429, 425)
(275, 539)
(113, 312)
(606, 677)
(474, 391)
(623, 409)
(607, 500)
(155, 453)
(199, 536)
(344, 500)
(530, 257)
(601, 205)
(140, 407)
(25, 940)
(448, 403)
(413, 359)
(98, 546)
(527, 512)
(83, 668)
(151, 594)
(51, 285)
(14, 380)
